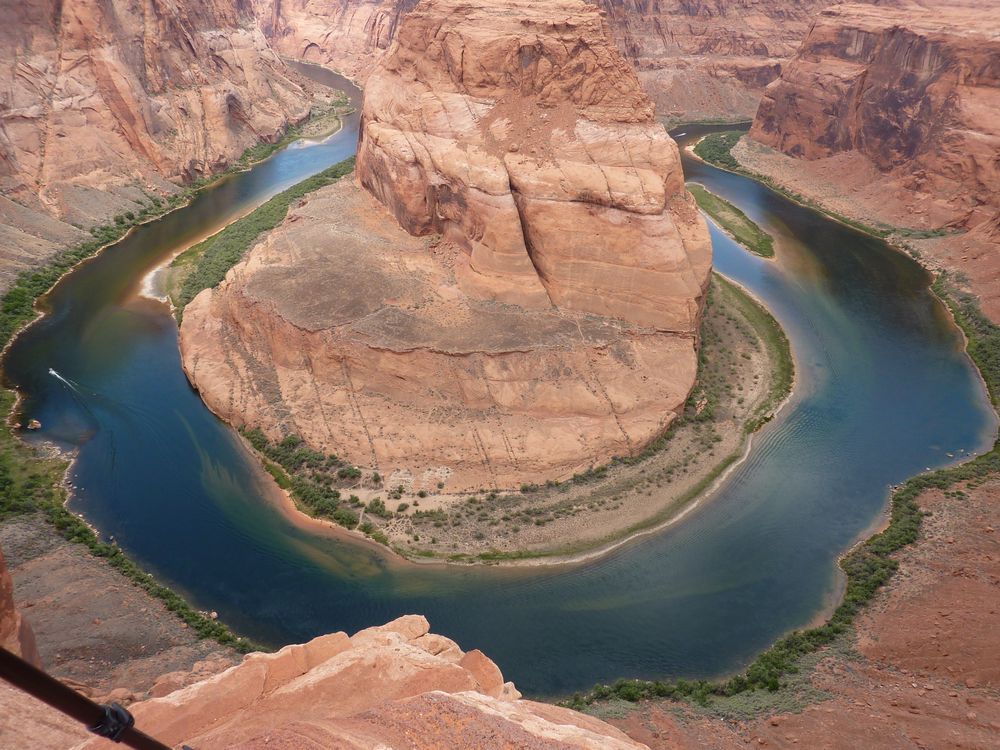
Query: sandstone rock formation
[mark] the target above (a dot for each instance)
(102, 102)
(518, 131)
(548, 321)
(395, 686)
(709, 58)
(901, 106)
(350, 36)
(342, 328)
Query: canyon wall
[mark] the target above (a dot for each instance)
(703, 58)
(893, 114)
(536, 310)
(104, 102)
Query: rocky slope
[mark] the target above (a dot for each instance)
(709, 58)
(892, 115)
(350, 36)
(102, 103)
(549, 318)
(395, 686)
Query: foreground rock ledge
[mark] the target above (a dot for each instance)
(395, 686)
(548, 319)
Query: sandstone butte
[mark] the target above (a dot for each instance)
(102, 104)
(696, 58)
(893, 115)
(540, 312)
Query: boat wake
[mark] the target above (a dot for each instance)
(66, 381)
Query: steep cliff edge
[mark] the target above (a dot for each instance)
(709, 58)
(394, 686)
(548, 319)
(104, 101)
(893, 116)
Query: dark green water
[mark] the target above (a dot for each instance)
(884, 391)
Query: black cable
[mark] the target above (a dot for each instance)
(112, 721)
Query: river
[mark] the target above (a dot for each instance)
(884, 390)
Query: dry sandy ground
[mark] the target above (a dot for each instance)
(926, 672)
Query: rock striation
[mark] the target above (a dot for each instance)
(540, 312)
(394, 686)
(103, 103)
(900, 107)
(519, 132)
(709, 58)
(350, 36)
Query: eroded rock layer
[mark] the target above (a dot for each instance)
(518, 131)
(344, 329)
(394, 686)
(709, 58)
(103, 101)
(696, 59)
(898, 110)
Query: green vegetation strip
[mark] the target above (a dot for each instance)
(868, 566)
(315, 481)
(209, 261)
(736, 223)
(716, 149)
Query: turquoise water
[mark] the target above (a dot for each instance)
(884, 391)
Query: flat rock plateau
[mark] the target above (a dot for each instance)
(536, 309)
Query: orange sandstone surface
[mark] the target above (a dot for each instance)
(539, 314)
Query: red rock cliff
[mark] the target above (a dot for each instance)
(908, 99)
(15, 633)
(696, 58)
(520, 132)
(101, 101)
